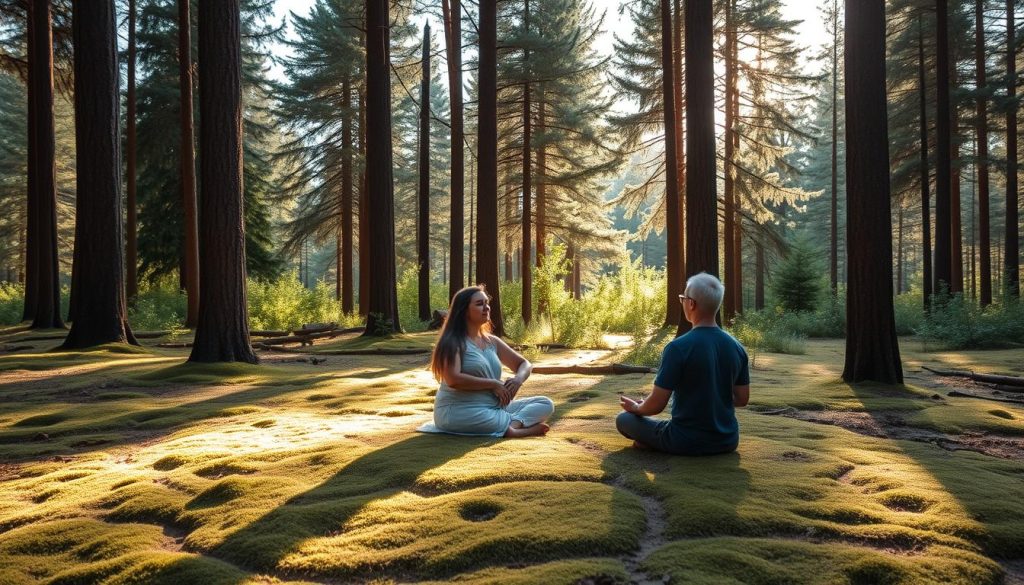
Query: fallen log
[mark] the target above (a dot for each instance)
(380, 351)
(993, 398)
(269, 333)
(310, 328)
(988, 378)
(150, 334)
(9, 348)
(616, 369)
(174, 345)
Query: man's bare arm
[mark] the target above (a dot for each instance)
(740, 395)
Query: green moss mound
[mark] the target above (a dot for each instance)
(766, 561)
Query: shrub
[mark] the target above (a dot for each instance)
(285, 304)
(797, 283)
(959, 323)
(12, 303)
(409, 303)
(158, 308)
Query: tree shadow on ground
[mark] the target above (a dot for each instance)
(323, 510)
(990, 490)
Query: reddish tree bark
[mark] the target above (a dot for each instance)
(487, 163)
(926, 214)
(701, 176)
(131, 248)
(944, 171)
(526, 265)
(1011, 257)
(188, 166)
(673, 266)
(453, 41)
(981, 140)
(345, 236)
(43, 227)
(423, 231)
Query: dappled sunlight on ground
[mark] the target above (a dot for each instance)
(144, 467)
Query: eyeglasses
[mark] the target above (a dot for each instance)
(686, 298)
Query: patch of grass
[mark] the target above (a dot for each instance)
(765, 561)
(430, 537)
(212, 373)
(568, 572)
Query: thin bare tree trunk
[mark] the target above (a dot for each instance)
(672, 229)
(423, 231)
(526, 265)
(188, 166)
(30, 263)
(981, 140)
(926, 232)
(453, 42)
(1011, 242)
(364, 215)
(131, 261)
(758, 276)
(729, 207)
(944, 172)
(833, 258)
(345, 260)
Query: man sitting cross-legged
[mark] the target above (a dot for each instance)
(706, 372)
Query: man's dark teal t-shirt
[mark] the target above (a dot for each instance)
(701, 368)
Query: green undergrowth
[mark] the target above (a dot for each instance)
(291, 471)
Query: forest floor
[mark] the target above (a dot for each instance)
(130, 465)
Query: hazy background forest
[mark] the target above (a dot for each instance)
(580, 100)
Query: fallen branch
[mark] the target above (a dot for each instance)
(150, 334)
(305, 339)
(542, 346)
(594, 370)
(174, 345)
(269, 333)
(988, 378)
(994, 398)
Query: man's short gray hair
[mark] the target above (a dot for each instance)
(707, 291)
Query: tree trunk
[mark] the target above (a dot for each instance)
(345, 262)
(364, 216)
(926, 214)
(30, 265)
(526, 264)
(453, 42)
(673, 267)
(981, 134)
(758, 276)
(542, 199)
(956, 238)
(737, 245)
(222, 330)
(1011, 257)
(423, 233)
(899, 247)
(833, 257)
(99, 252)
(872, 350)
(132, 261)
(944, 172)
(46, 296)
(383, 299)
(188, 165)
(729, 205)
(487, 164)
(701, 199)
(677, 92)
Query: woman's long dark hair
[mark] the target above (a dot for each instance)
(452, 339)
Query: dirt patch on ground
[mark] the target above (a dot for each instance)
(890, 425)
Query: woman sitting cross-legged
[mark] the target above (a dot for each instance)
(467, 360)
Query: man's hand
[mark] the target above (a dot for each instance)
(629, 405)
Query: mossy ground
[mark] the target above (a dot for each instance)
(130, 467)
